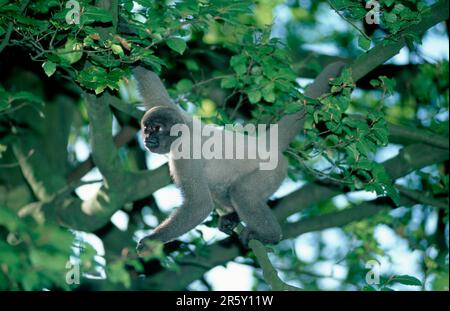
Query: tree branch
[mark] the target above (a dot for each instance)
(407, 135)
(382, 52)
(422, 198)
(224, 251)
(119, 186)
(409, 159)
(269, 273)
(125, 135)
(10, 27)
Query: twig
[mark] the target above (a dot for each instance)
(349, 21)
(11, 27)
(200, 83)
(269, 272)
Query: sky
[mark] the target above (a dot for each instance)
(405, 261)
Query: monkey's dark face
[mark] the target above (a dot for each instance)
(156, 125)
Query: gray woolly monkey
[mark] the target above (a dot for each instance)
(238, 186)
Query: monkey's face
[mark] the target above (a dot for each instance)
(156, 125)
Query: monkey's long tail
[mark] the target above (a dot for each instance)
(291, 125)
(151, 88)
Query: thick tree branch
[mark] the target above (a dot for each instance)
(422, 198)
(383, 52)
(401, 73)
(119, 186)
(335, 219)
(104, 151)
(409, 159)
(406, 135)
(125, 135)
(414, 157)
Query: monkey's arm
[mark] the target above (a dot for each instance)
(196, 206)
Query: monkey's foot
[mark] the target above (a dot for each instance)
(247, 235)
(142, 249)
(228, 222)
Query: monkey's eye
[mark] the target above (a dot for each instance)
(156, 128)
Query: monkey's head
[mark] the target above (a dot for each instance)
(156, 125)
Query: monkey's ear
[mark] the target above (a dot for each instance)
(151, 88)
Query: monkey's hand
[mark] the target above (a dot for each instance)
(228, 222)
(149, 246)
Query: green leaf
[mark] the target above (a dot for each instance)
(184, 85)
(389, 84)
(93, 14)
(192, 65)
(362, 147)
(267, 92)
(406, 280)
(228, 82)
(48, 261)
(117, 49)
(9, 219)
(49, 68)
(30, 281)
(368, 288)
(240, 69)
(254, 96)
(239, 64)
(4, 104)
(118, 274)
(177, 44)
(71, 53)
(392, 193)
(336, 88)
(93, 78)
(270, 97)
(3, 148)
(364, 43)
(391, 17)
(375, 82)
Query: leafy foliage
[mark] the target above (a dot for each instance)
(223, 60)
(35, 256)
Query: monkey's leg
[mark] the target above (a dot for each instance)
(228, 222)
(248, 197)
